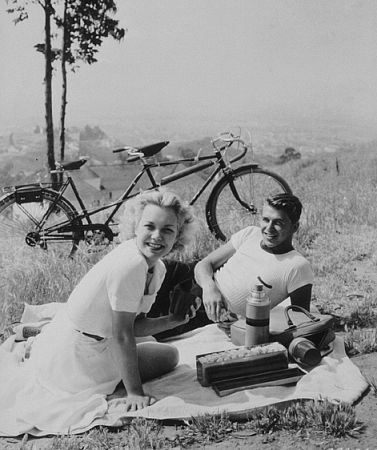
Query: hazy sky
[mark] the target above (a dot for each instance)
(208, 58)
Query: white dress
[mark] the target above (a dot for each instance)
(63, 385)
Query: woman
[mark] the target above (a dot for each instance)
(91, 344)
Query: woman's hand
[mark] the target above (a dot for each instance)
(179, 320)
(136, 402)
(193, 308)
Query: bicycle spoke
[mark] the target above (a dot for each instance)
(238, 204)
(18, 220)
(27, 213)
(20, 223)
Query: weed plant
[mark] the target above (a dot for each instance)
(207, 428)
(372, 381)
(362, 341)
(336, 420)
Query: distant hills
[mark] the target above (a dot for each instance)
(23, 153)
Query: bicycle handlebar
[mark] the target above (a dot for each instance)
(229, 137)
(132, 151)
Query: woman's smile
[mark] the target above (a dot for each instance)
(155, 246)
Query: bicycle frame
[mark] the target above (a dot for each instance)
(203, 162)
(206, 161)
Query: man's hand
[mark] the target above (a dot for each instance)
(213, 303)
(204, 276)
(226, 320)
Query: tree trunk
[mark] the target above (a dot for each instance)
(63, 111)
(48, 92)
(63, 105)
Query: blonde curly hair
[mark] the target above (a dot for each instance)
(133, 210)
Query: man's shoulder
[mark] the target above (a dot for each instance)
(298, 258)
(299, 264)
(246, 233)
(246, 236)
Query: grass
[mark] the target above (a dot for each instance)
(372, 381)
(336, 420)
(321, 418)
(36, 277)
(206, 428)
(338, 235)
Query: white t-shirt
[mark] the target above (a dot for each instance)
(235, 279)
(117, 282)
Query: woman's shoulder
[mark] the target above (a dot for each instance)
(126, 254)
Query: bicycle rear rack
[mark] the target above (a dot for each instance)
(27, 193)
(13, 188)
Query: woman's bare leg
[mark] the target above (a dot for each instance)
(156, 359)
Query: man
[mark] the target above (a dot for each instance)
(228, 274)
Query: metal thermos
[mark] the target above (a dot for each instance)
(257, 317)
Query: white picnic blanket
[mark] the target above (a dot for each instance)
(180, 396)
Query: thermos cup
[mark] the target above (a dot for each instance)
(304, 352)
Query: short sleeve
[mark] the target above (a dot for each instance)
(300, 275)
(125, 285)
(237, 239)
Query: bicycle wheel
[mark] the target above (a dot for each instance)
(226, 214)
(19, 219)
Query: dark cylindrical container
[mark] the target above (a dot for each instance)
(304, 352)
(257, 317)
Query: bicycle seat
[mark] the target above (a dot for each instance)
(150, 150)
(72, 165)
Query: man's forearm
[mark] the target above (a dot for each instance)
(204, 275)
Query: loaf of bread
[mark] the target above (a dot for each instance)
(240, 362)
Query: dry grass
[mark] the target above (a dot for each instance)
(35, 276)
(338, 235)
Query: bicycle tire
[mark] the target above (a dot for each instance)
(224, 213)
(19, 219)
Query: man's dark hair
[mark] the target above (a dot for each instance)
(287, 202)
